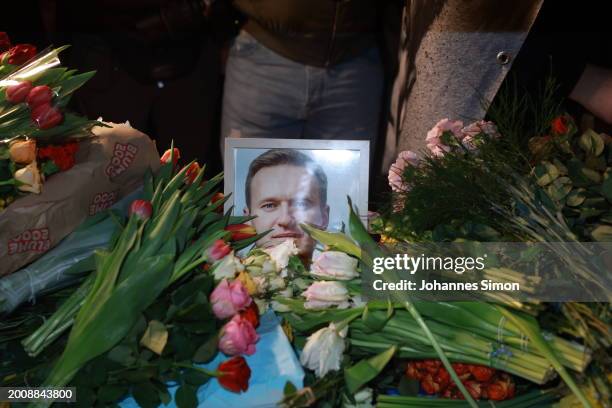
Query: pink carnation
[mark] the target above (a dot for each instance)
(404, 159)
(434, 136)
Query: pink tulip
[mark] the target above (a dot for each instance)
(141, 209)
(218, 250)
(238, 337)
(229, 298)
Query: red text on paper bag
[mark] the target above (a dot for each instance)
(32, 240)
(102, 201)
(123, 156)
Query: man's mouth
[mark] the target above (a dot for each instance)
(288, 235)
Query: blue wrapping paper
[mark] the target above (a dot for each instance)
(273, 364)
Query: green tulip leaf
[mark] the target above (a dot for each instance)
(365, 370)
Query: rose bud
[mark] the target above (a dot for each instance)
(47, 116)
(168, 154)
(234, 374)
(461, 369)
(432, 366)
(412, 371)
(229, 298)
(191, 173)
(335, 265)
(18, 54)
(241, 231)
(442, 377)
(29, 176)
(218, 250)
(238, 336)
(39, 95)
(23, 151)
(474, 388)
(18, 93)
(142, 209)
(251, 314)
(482, 373)
(498, 391)
(5, 42)
(429, 385)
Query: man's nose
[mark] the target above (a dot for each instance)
(286, 218)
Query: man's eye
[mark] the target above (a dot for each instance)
(302, 204)
(268, 206)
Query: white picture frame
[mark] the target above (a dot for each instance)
(345, 162)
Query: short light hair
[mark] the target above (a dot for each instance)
(278, 157)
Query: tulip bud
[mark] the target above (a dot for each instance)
(18, 93)
(234, 374)
(335, 265)
(168, 154)
(191, 173)
(560, 125)
(29, 176)
(238, 336)
(218, 250)
(323, 350)
(142, 209)
(46, 116)
(18, 54)
(228, 299)
(281, 253)
(241, 231)
(214, 199)
(23, 151)
(39, 95)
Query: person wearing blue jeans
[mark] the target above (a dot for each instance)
(304, 70)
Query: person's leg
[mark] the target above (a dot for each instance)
(264, 93)
(347, 101)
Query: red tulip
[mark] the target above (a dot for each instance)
(18, 93)
(234, 374)
(5, 42)
(46, 116)
(251, 314)
(241, 231)
(39, 95)
(218, 250)
(192, 173)
(142, 209)
(18, 54)
(168, 153)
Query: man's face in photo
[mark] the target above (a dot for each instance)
(282, 197)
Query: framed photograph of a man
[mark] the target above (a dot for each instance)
(286, 182)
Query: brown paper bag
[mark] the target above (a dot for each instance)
(108, 166)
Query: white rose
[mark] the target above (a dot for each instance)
(323, 350)
(335, 265)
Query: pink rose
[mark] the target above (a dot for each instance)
(435, 143)
(404, 159)
(229, 298)
(238, 337)
(473, 131)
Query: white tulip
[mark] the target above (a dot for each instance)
(335, 265)
(324, 294)
(323, 350)
(227, 268)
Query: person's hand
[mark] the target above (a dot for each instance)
(594, 91)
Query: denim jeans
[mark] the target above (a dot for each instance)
(267, 95)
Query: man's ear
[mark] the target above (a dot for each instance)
(325, 217)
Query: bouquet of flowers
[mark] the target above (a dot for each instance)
(37, 134)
